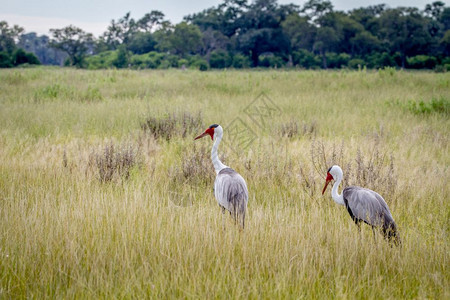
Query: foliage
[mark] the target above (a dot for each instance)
(421, 62)
(220, 59)
(271, 61)
(176, 124)
(186, 39)
(241, 61)
(40, 46)
(8, 35)
(5, 60)
(114, 162)
(21, 57)
(436, 105)
(74, 41)
(243, 34)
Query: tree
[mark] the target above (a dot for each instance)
(186, 39)
(39, 45)
(142, 42)
(74, 41)
(260, 29)
(445, 43)
(326, 39)
(119, 32)
(214, 40)
(150, 21)
(316, 9)
(5, 60)
(299, 31)
(404, 30)
(9, 36)
(434, 10)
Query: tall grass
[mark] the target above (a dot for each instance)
(104, 193)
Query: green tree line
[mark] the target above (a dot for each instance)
(261, 33)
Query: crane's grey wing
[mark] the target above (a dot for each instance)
(230, 188)
(368, 206)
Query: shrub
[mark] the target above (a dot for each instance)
(102, 60)
(220, 59)
(195, 166)
(421, 62)
(20, 57)
(335, 60)
(5, 60)
(293, 129)
(114, 162)
(122, 59)
(380, 60)
(356, 63)
(150, 60)
(270, 61)
(183, 62)
(181, 124)
(306, 59)
(199, 63)
(241, 61)
(440, 105)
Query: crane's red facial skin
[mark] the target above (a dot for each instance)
(329, 178)
(209, 131)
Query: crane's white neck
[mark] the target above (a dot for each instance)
(338, 198)
(218, 165)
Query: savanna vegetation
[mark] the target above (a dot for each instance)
(244, 34)
(104, 193)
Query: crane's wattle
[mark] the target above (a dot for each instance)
(328, 180)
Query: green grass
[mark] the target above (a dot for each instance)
(158, 232)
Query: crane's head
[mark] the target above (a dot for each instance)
(211, 131)
(332, 174)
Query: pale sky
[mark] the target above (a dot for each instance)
(94, 15)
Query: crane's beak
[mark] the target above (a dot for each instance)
(201, 135)
(209, 131)
(328, 180)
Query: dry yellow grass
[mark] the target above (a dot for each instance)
(159, 233)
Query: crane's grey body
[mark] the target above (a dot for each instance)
(368, 206)
(231, 193)
(363, 205)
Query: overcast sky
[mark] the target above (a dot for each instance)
(95, 15)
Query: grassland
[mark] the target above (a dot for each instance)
(153, 228)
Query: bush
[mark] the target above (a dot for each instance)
(380, 60)
(20, 57)
(421, 62)
(5, 60)
(270, 61)
(306, 59)
(151, 60)
(102, 60)
(335, 60)
(114, 162)
(440, 105)
(199, 63)
(356, 63)
(241, 61)
(220, 59)
(142, 42)
(182, 124)
(183, 62)
(122, 58)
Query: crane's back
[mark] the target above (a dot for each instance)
(231, 192)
